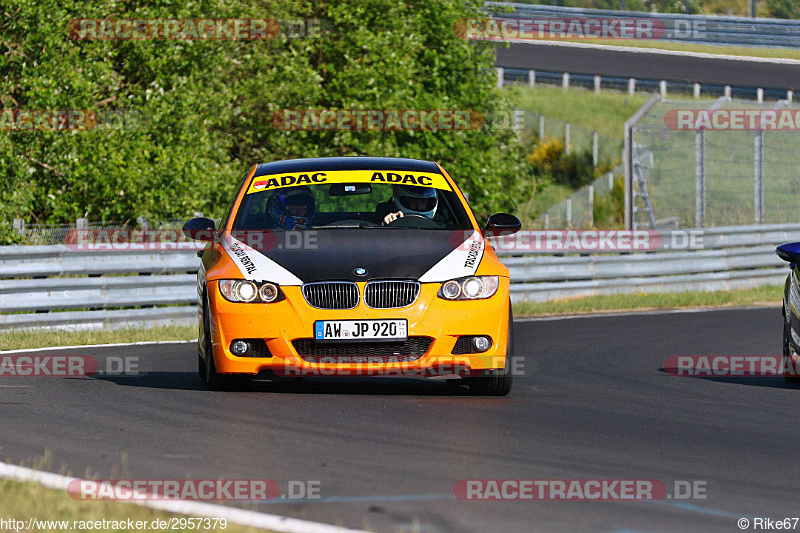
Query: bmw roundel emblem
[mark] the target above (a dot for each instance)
(360, 271)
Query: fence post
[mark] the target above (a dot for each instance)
(82, 224)
(500, 75)
(19, 226)
(143, 222)
(591, 206)
(700, 179)
(541, 127)
(566, 138)
(547, 221)
(760, 95)
(565, 80)
(594, 149)
(597, 84)
(697, 90)
(531, 79)
(631, 86)
(662, 88)
(569, 212)
(727, 91)
(789, 96)
(610, 181)
(759, 185)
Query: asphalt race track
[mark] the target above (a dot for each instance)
(597, 61)
(594, 404)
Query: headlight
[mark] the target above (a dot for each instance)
(471, 288)
(246, 291)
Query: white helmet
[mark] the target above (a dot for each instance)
(413, 200)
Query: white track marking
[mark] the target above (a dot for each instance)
(196, 509)
(704, 55)
(82, 346)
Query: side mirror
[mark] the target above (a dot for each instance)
(502, 224)
(200, 229)
(789, 252)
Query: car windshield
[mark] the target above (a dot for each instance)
(351, 204)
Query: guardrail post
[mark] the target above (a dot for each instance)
(727, 91)
(700, 180)
(500, 77)
(547, 221)
(789, 96)
(569, 213)
(597, 84)
(566, 138)
(759, 173)
(697, 90)
(760, 95)
(594, 149)
(19, 226)
(531, 79)
(541, 127)
(591, 206)
(565, 80)
(662, 88)
(610, 181)
(631, 86)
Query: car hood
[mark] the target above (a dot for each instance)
(295, 257)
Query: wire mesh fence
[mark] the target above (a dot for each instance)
(579, 210)
(711, 170)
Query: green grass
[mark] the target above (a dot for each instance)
(13, 340)
(766, 295)
(786, 53)
(605, 112)
(25, 500)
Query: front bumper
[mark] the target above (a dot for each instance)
(282, 322)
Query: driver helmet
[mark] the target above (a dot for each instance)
(413, 200)
(292, 209)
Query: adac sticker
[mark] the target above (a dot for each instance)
(275, 181)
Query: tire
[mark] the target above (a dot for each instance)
(500, 383)
(208, 369)
(787, 357)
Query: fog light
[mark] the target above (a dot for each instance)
(240, 347)
(481, 344)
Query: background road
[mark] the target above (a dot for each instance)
(624, 64)
(594, 404)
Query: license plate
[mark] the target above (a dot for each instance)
(360, 330)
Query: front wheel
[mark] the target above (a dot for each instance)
(500, 383)
(208, 370)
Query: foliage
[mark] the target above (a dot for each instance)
(203, 107)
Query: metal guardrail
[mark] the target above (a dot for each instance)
(150, 288)
(704, 29)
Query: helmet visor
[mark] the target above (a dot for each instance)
(417, 204)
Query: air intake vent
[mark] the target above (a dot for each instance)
(331, 294)
(362, 352)
(391, 294)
